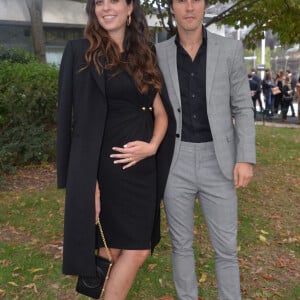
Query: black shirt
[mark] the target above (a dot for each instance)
(192, 83)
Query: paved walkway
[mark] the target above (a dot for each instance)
(276, 121)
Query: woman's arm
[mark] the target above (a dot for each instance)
(160, 123)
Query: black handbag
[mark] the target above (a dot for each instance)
(287, 99)
(93, 286)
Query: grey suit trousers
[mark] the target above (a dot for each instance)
(196, 173)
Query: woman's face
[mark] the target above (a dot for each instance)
(112, 16)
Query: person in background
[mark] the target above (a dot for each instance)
(298, 97)
(257, 79)
(254, 90)
(267, 85)
(278, 97)
(215, 144)
(114, 143)
(293, 81)
(287, 97)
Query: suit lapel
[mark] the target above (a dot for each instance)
(213, 49)
(171, 52)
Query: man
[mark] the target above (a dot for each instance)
(214, 154)
(257, 79)
(254, 90)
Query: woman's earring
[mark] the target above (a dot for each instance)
(128, 20)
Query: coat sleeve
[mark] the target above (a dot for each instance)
(64, 117)
(242, 108)
(165, 151)
(166, 148)
(163, 162)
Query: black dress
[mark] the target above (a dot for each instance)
(128, 197)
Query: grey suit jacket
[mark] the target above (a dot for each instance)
(229, 104)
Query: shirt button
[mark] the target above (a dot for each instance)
(179, 110)
(177, 135)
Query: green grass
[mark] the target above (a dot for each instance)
(31, 224)
(295, 293)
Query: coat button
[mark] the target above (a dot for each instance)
(177, 135)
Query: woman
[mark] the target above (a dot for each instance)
(115, 138)
(287, 97)
(278, 97)
(293, 81)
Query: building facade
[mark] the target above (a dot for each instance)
(63, 20)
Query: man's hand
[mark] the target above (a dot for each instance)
(243, 173)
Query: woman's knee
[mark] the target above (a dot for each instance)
(137, 256)
(115, 253)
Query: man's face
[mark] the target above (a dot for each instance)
(188, 14)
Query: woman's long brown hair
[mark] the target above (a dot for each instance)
(140, 61)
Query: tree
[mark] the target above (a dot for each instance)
(35, 8)
(279, 16)
(161, 9)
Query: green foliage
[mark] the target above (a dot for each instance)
(28, 94)
(25, 144)
(16, 55)
(279, 16)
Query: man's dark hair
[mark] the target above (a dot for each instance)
(170, 2)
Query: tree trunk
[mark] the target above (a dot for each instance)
(35, 8)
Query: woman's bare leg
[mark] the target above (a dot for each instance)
(123, 273)
(115, 253)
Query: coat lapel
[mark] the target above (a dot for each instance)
(99, 78)
(213, 49)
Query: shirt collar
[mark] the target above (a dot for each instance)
(204, 36)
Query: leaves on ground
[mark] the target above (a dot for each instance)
(269, 233)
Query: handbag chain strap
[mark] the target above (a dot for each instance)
(103, 239)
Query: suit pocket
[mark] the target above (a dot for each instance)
(225, 152)
(229, 138)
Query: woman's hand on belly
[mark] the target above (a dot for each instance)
(132, 153)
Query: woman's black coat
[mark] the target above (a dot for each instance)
(82, 110)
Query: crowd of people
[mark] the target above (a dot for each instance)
(279, 93)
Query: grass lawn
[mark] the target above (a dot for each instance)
(31, 220)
